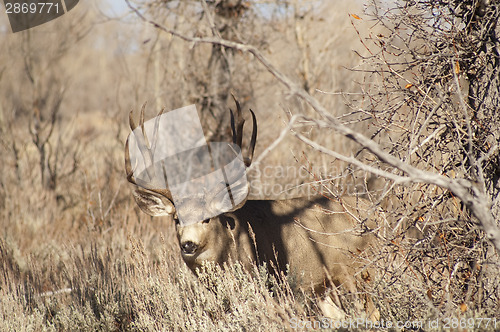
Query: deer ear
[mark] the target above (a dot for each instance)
(152, 203)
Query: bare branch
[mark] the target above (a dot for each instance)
(474, 199)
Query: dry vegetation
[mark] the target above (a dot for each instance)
(77, 254)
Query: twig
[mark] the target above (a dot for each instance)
(473, 198)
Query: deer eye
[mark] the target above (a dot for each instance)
(206, 221)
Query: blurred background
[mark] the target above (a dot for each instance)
(76, 253)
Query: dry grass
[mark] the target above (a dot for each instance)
(93, 261)
(82, 256)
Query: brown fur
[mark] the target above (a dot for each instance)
(320, 241)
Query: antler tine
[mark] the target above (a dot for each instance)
(155, 130)
(131, 120)
(233, 130)
(253, 140)
(128, 166)
(147, 152)
(141, 123)
(238, 131)
(141, 119)
(142, 145)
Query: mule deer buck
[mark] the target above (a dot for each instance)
(323, 242)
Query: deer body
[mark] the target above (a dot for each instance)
(322, 242)
(318, 239)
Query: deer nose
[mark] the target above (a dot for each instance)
(189, 247)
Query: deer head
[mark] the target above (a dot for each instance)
(160, 178)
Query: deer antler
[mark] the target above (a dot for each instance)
(146, 148)
(237, 130)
